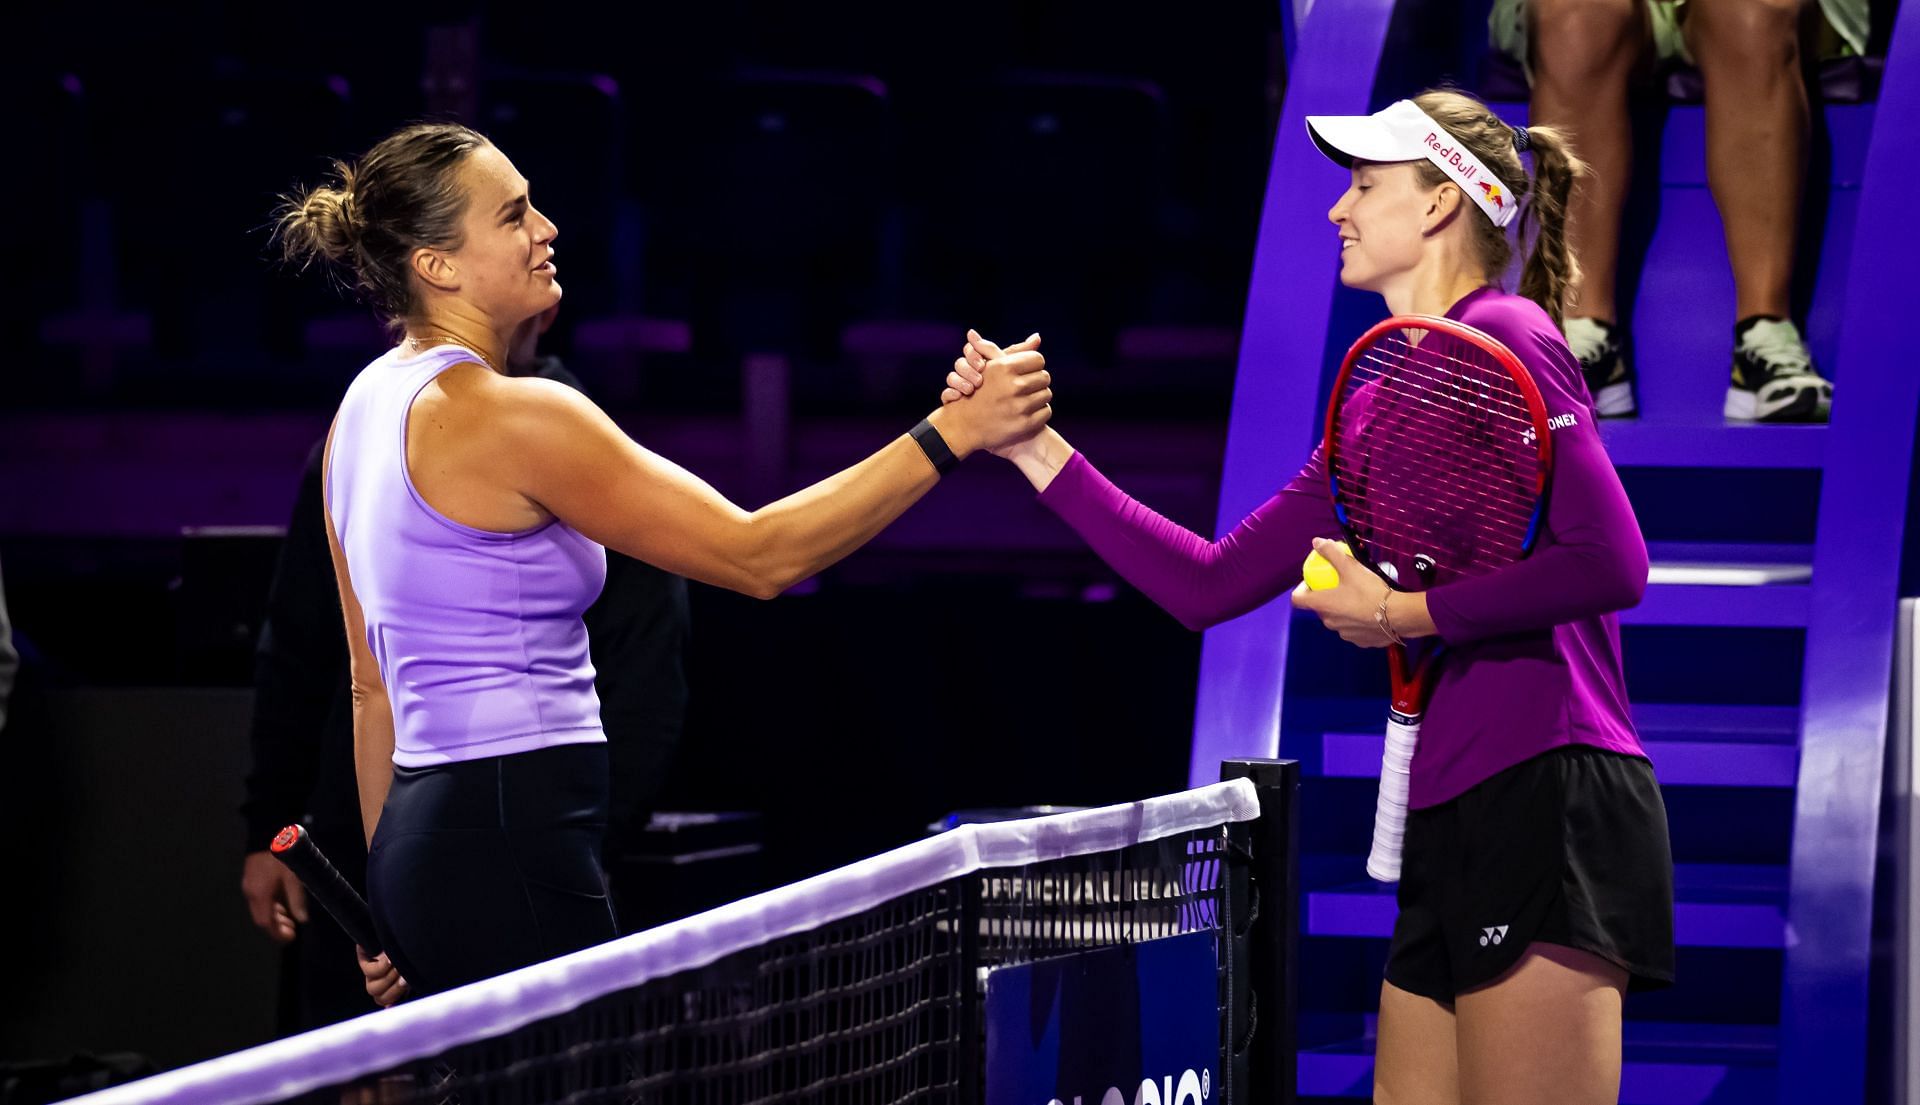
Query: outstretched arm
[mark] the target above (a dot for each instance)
(572, 460)
(1199, 582)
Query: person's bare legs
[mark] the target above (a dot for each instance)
(1748, 54)
(1749, 57)
(1583, 56)
(1415, 1060)
(1546, 1030)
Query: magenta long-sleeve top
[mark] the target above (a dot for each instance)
(1533, 649)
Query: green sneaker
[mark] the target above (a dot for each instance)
(1774, 379)
(1609, 378)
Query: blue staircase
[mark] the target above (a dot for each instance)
(1759, 660)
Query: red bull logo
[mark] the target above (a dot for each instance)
(1493, 193)
(1446, 156)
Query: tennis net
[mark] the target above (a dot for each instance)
(863, 984)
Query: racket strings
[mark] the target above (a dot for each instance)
(1490, 517)
(1516, 484)
(1404, 532)
(1450, 373)
(1477, 407)
(1410, 516)
(1474, 393)
(1468, 412)
(1436, 444)
(1441, 459)
(1521, 470)
(1396, 356)
(1453, 542)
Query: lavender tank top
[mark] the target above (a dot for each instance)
(477, 634)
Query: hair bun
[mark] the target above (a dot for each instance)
(330, 223)
(366, 219)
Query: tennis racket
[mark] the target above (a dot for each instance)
(294, 847)
(1439, 459)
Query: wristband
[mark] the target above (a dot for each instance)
(935, 446)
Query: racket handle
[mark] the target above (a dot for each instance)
(294, 847)
(1390, 813)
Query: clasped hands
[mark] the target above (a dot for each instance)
(1351, 609)
(1021, 364)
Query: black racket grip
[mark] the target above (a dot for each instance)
(294, 847)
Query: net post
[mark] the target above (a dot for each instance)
(1263, 911)
(973, 1011)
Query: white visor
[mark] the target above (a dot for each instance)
(1402, 132)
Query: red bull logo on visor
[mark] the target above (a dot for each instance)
(1493, 193)
(1450, 155)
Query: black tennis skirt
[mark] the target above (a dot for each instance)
(1567, 848)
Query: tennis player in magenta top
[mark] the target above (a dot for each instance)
(1536, 887)
(468, 512)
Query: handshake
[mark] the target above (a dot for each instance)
(996, 399)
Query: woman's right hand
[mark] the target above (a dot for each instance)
(969, 376)
(383, 981)
(1010, 403)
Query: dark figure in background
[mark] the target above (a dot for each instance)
(303, 725)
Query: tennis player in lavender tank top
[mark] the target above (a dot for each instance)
(1537, 882)
(468, 513)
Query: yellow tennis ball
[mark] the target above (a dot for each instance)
(1319, 571)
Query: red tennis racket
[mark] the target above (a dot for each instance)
(1439, 460)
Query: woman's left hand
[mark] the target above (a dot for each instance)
(1348, 609)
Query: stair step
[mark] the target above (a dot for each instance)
(1773, 606)
(1690, 744)
(1663, 1064)
(1729, 584)
(1717, 906)
(1711, 443)
(1682, 762)
(1728, 575)
(1728, 564)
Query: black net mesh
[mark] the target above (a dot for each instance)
(880, 1007)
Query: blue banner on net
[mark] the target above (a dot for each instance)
(1131, 1025)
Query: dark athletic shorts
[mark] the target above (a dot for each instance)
(486, 865)
(1567, 848)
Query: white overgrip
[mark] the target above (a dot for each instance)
(1390, 813)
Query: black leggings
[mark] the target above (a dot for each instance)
(484, 866)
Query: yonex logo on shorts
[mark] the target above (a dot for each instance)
(1493, 935)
